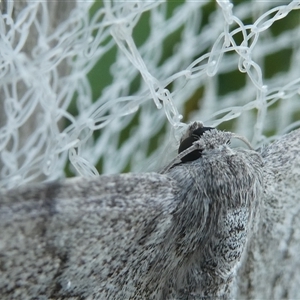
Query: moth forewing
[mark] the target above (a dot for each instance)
(220, 225)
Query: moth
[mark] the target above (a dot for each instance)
(217, 223)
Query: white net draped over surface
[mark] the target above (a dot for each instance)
(95, 87)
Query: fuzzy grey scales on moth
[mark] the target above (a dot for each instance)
(221, 223)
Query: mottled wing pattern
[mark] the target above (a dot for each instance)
(271, 267)
(214, 220)
(225, 224)
(74, 239)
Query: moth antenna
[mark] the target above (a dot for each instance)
(178, 158)
(243, 139)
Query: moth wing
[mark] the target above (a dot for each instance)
(269, 271)
(74, 238)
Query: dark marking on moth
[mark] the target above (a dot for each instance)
(188, 142)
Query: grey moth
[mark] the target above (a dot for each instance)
(222, 224)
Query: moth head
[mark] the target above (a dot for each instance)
(198, 138)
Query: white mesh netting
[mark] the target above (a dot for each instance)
(100, 84)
